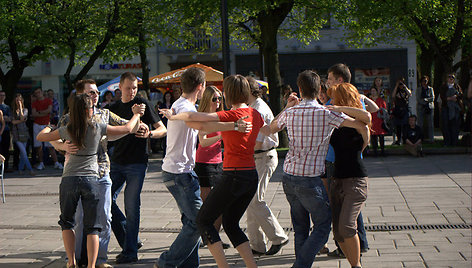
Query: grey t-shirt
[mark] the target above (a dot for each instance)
(84, 162)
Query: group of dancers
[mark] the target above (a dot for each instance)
(211, 190)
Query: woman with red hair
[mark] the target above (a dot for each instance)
(349, 186)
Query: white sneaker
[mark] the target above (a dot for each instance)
(40, 166)
(58, 165)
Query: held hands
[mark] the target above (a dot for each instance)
(244, 126)
(139, 109)
(167, 113)
(143, 131)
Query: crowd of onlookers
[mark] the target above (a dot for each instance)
(412, 128)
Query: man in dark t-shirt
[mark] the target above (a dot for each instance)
(129, 165)
(413, 137)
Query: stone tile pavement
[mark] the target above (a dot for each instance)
(431, 196)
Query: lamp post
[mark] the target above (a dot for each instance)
(225, 38)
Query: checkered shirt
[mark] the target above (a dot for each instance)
(309, 128)
(101, 116)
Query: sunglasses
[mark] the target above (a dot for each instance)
(451, 77)
(93, 92)
(217, 98)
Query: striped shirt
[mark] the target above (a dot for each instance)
(309, 128)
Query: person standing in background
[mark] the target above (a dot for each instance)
(55, 107)
(451, 110)
(425, 108)
(5, 136)
(41, 112)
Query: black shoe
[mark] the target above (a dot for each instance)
(226, 245)
(274, 249)
(140, 244)
(337, 253)
(255, 252)
(126, 259)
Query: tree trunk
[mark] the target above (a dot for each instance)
(425, 62)
(144, 61)
(69, 84)
(269, 22)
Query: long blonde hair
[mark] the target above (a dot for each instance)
(205, 101)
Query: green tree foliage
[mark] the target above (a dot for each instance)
(439, 28)
(24, 39)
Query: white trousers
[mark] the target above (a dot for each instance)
(262, 225)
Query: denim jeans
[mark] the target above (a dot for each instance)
(104, 216)
(450, 127)
(126, 228)
(184, 250)
(24, 161)
(71, 190)
(308, 198)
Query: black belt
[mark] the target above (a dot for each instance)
(263, 151)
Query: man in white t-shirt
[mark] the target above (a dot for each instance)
(179, 177)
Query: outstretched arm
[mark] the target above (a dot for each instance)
(357, 113)
(370, 105)
(190, 116)
(240, 125)
(47, 135)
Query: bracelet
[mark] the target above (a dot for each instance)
(51, 127)
(236, 127)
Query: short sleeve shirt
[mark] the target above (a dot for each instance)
(130, 149)
(41, 105)
(181, 141)
(309, 127)
(239, 147)
(84, 162)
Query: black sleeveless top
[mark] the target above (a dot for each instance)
(347, 144)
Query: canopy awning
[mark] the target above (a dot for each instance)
(166, 80)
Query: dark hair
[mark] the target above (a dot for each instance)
(191, 78)
(34, 90)
(128, 75)
(324, 86)
(254, 86)
(13, 103)
(171, 96)
(80, 85)
(309, 83)
(341, 70)
(424, 77)
(236, 89)
(374, 85)
(413, 116)
(50, 90)
(79, 120)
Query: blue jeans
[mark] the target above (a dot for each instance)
(126, 228)
(104, 216)
(307, 197)
(24, 161)
(71, 190)
(184, 250)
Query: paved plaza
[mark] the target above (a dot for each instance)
(418, 214)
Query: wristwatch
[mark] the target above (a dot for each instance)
(236, 127)
(150, 134)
